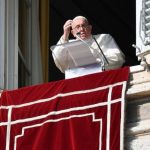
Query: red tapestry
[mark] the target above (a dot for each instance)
(84, 113)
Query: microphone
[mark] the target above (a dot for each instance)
(78, 33)
(78, 37)
(102, 56)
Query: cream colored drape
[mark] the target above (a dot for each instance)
(34, 41)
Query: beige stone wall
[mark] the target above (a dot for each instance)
(137, 127)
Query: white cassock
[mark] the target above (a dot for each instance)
(109, 47)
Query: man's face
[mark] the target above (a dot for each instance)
(81, 26)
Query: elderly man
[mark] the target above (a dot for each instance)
(81, 29)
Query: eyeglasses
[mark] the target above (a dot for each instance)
(83, 26)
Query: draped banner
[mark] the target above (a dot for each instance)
(84, 113)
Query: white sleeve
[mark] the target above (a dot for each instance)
(60, 56)
(62, 41)
(112, 52)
